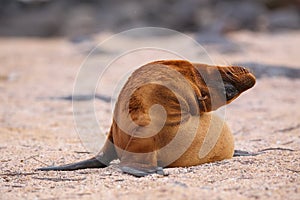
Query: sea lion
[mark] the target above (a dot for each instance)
(163, 118)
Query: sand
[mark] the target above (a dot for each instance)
(37, 127)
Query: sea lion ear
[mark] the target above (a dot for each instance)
(204, 102)
(203, 98)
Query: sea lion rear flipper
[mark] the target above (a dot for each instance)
(104, 157)
(90, 163)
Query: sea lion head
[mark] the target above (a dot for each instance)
(220, 85)
(236, 80)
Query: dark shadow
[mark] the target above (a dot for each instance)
(81, 98)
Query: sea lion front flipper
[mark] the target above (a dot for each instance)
(140, 164)
(142, 172)
(243, 153)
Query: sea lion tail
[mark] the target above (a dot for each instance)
(90, 163)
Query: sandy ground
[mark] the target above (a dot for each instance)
(37, 127)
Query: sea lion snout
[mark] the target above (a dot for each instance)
(220, 85)
(236, 80)
(247, 81)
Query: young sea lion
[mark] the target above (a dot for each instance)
(162, 118)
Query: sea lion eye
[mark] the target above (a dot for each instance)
(202, 98)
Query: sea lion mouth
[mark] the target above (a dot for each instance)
(230, 91)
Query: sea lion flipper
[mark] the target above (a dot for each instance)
(104, 157)
(90, 163)
(243, 153)
(140, 165)
(142, 172)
